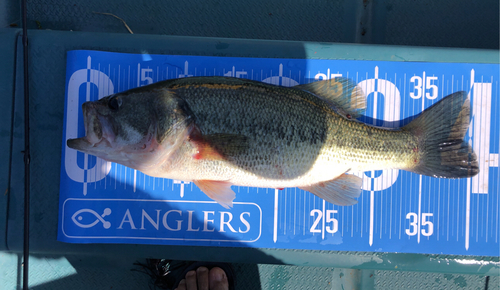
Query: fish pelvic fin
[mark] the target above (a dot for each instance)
(220, 191)
(340, 191)
(440, 131)
(342, 94)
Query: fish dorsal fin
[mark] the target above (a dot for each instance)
(345, 95)
(340, 191)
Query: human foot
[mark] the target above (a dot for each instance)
(204, 279)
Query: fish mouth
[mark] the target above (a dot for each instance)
(93, 127)
(97, 130)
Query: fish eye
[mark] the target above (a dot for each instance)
(115, 103)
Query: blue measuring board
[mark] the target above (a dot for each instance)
(398, 211)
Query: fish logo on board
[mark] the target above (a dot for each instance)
(79, 216)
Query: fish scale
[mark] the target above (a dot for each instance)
(266, 121)
(380, 149)
(304, 158)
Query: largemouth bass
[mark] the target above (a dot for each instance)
(219, 131)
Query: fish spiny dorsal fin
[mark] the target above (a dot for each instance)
(343, 94)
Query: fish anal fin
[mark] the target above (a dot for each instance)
(340, 191)
(342, 93)
(220, 191)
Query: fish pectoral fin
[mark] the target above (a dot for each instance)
(340, 191)
(220, 191)
(342, 93)
(221, 146)
(207, 152)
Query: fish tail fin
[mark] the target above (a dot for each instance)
(440, 132)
